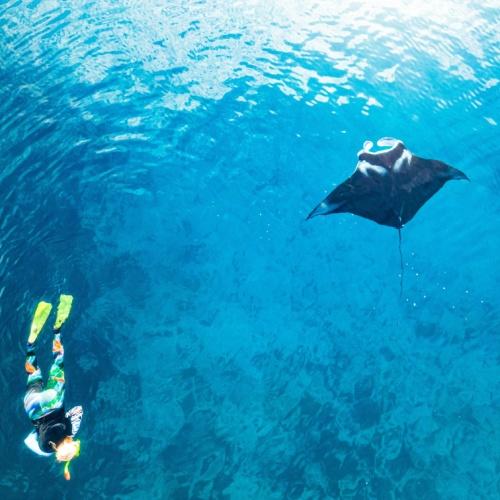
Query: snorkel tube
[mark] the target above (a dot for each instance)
(67, 475)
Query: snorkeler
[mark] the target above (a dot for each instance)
(54, 428)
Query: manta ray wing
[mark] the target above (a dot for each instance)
(364, 195)
(422, 181)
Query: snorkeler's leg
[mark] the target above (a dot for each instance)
(34, 385)
(42, 312)
(40, 400)
(56, 374)
(56, 379)
(31, 367)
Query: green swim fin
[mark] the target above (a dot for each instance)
(42, 312)
(63, 310)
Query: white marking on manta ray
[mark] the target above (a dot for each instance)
(388, 142)
(330, 207)
(363, 166)
(405, 158)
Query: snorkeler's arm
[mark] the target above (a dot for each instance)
(75, 416)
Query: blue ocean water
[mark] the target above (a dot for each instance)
(158, 162)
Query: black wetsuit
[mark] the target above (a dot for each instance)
(52, 427)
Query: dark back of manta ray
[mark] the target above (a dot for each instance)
(391, 198)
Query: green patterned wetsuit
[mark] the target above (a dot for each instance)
(39, 400)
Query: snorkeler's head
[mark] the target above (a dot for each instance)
(67, 450)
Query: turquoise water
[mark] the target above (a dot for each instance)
(159, 159)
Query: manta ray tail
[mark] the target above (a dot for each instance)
(401, 264)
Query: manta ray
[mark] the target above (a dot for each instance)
(388, 186)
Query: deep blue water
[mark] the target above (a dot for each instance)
(158, 162)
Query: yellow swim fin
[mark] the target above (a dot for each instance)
(63, 310)
(42, 312)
